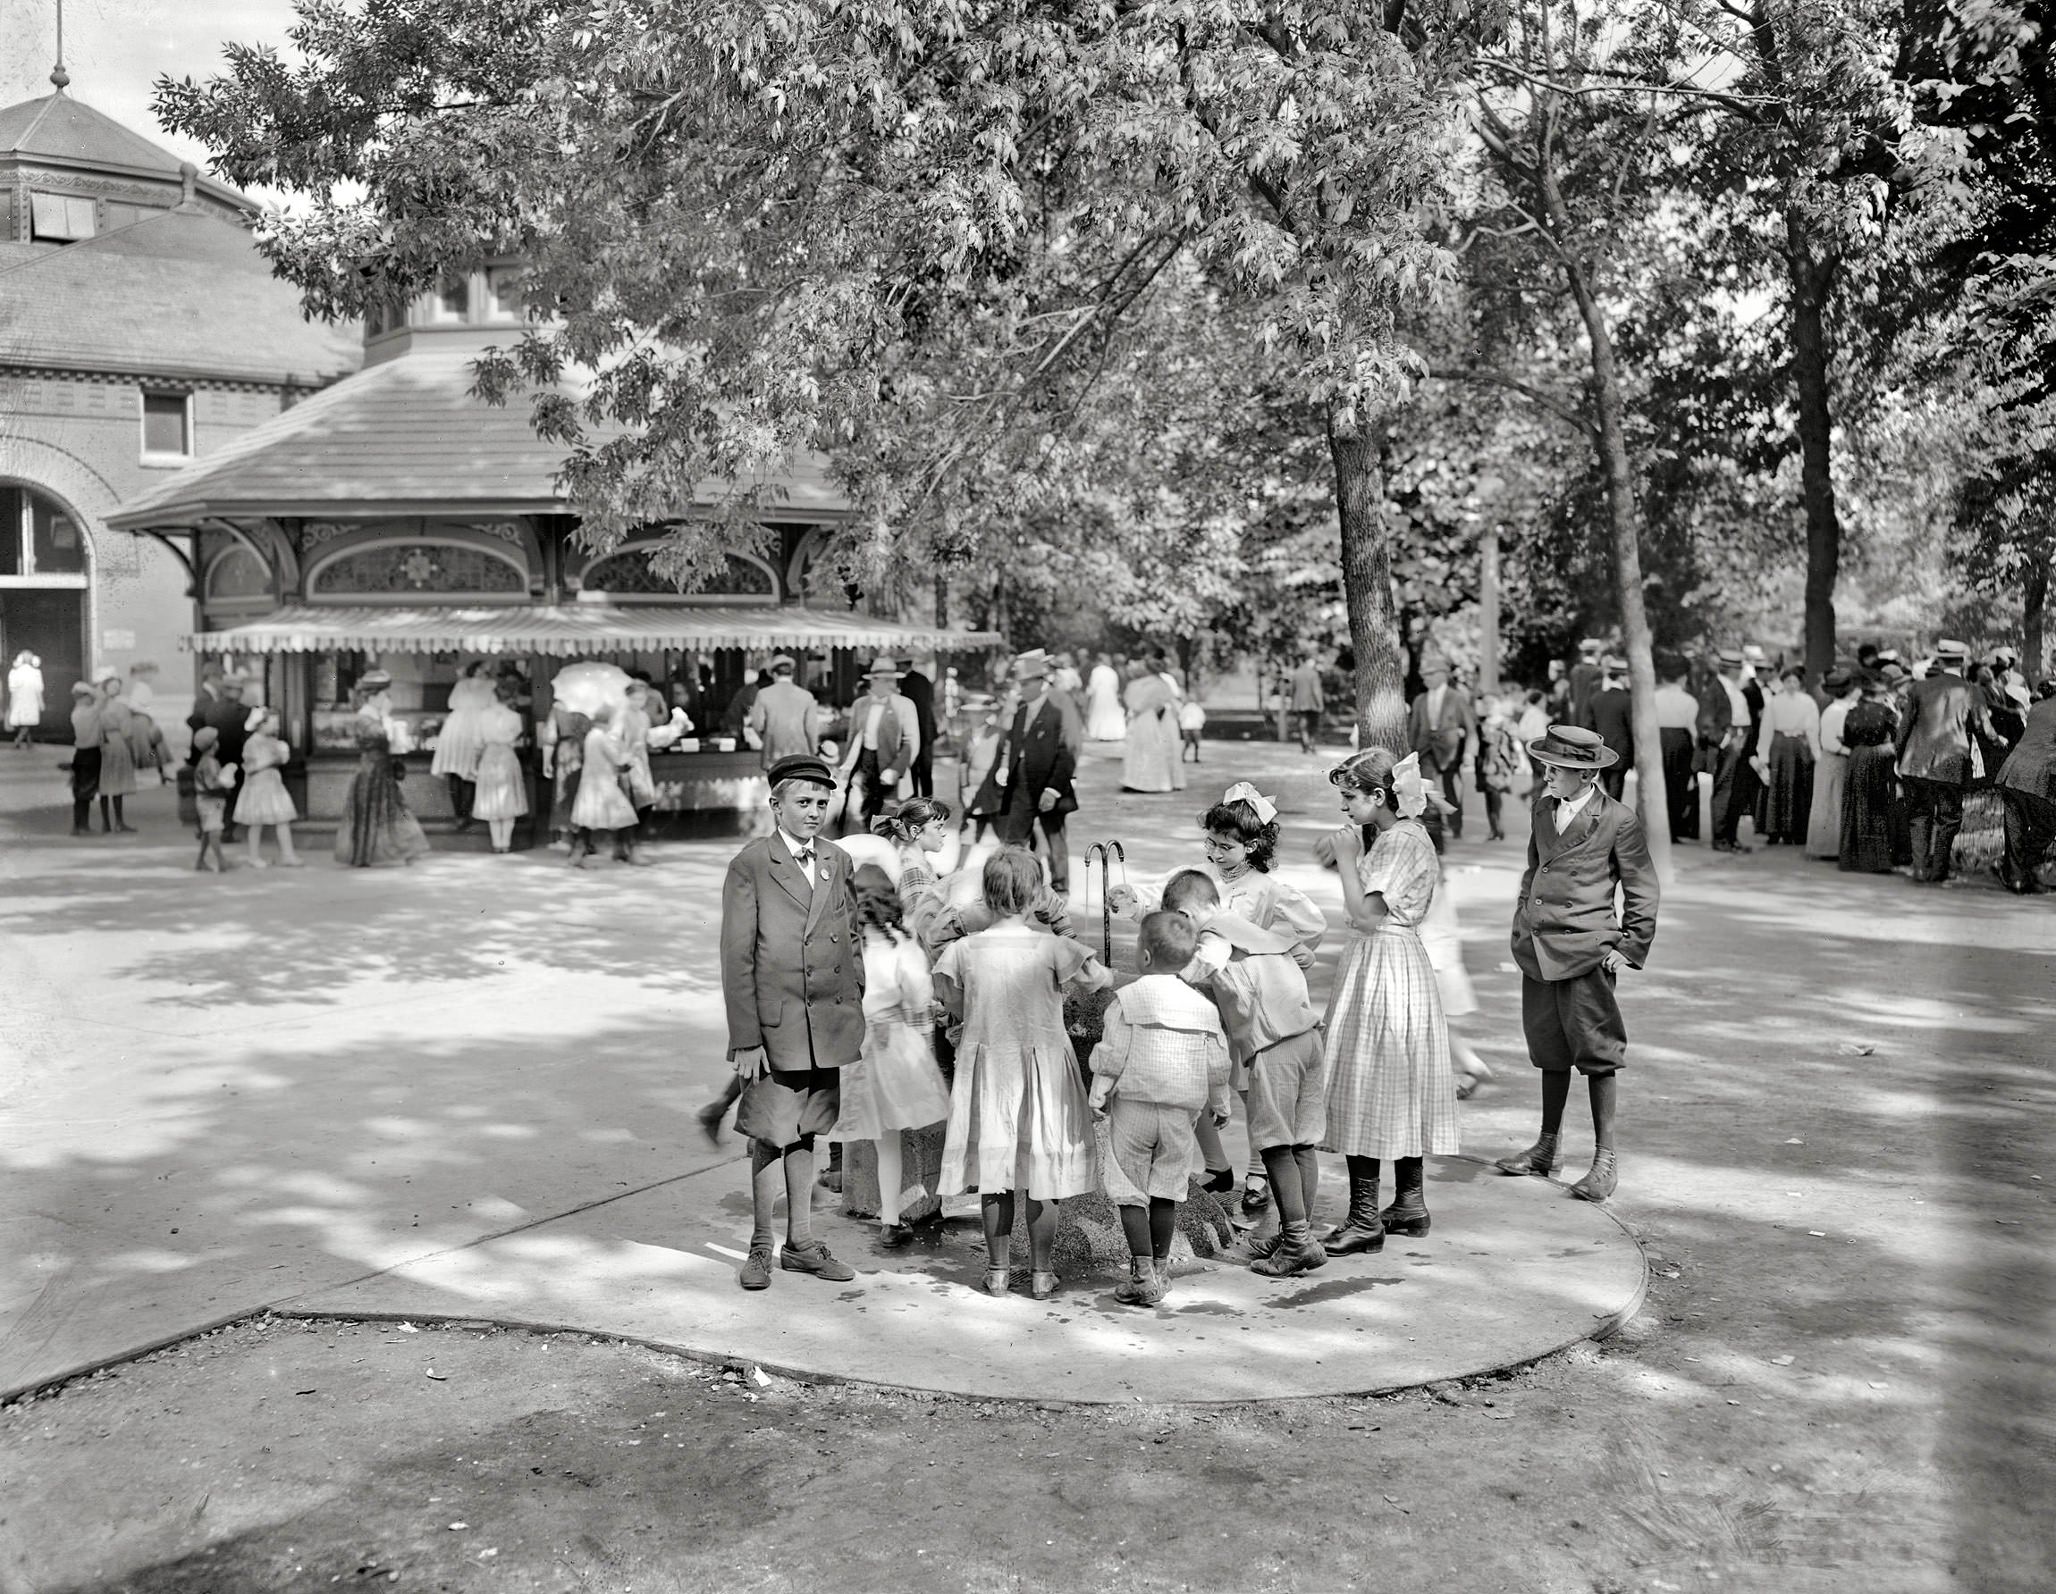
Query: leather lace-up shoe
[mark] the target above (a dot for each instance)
(817, 1260)
(756, 1268)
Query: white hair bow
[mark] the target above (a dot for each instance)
(1408, 787)
(1243, 792)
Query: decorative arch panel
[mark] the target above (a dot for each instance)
(626, 574)
(402, 570)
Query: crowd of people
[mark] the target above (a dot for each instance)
(1869, 767)
(865, 1002)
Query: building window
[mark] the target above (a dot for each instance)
(61, 217)
(167, 426)
(453, 298)
(39, 541)
(504, 282)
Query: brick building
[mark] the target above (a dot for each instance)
(140, 331)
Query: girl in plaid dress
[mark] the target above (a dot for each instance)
(1390, 1094)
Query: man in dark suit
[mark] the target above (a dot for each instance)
(1585, 848)
(1438, 727)
(1734, 782)
(918, 690)
(792, 974)
(1943, 713)
(1038, 757)
(1611, 712)
(1583, 679)
(2027, 785)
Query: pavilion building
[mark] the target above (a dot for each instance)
(140, 330)
(396, 521)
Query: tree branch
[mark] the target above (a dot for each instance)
(1536, 396)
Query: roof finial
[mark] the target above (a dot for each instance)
(58, 75)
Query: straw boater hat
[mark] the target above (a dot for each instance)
(84, 689)
(1572, 747)
(1951, 652)
(1591, 645)
(1031, 666)
(882, 666)
(782, 661)
(1731, 657)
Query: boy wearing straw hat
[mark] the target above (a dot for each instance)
(1585, 849)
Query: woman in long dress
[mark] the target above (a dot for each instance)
(24, 697)
(1151, 762)
(501, 794)
(264, 799)
(1867, 842)
(1830, 775)
(1787, 748)
(376, 826)
(458, 745)
(601, 805)
(1391, 1095)
(117, 755)
(1104, 719)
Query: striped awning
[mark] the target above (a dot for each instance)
(569, 630)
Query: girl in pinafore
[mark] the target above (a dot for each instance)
(895, 1084)
(1390, 1094)
(1018, 1117)
(264, 800)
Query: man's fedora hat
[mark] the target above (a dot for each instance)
(802, 766)
(1592, 644)
(1030, 665)
(782, 661)
(1572, 747)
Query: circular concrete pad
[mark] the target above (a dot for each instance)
(1513, 1270)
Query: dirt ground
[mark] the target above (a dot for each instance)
(1837, 1140)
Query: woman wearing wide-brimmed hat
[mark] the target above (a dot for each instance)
(1583, 848)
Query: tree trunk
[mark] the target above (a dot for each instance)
(1367, 580)
(1626, 533)
(2034, 656)
(1812, 277)
(941, 599)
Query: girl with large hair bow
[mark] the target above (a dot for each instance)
(1390, 1094)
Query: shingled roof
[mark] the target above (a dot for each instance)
(179, 294)
(404, 437)
(58, 130)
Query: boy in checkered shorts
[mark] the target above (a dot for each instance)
(1163, 1061)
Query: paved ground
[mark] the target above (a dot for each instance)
(1837, 1138)
(459, 1090)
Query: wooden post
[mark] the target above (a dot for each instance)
(1488, 608)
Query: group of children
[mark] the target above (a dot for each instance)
(1220, 1013)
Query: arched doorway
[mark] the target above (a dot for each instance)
(43, 581)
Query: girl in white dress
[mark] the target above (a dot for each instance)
(264, 800)
(1390, 1094)
(24, 696)
(500, 795)
(601, 805)
(1018, 1119)
(895, 1084)
(1104, 719)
